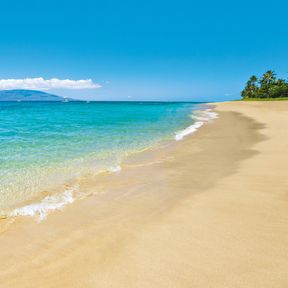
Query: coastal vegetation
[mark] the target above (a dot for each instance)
(268, 87)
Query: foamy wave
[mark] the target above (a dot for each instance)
(53, 202)
(189, 130)
(201, 116)
(114, 169)
(40, 210)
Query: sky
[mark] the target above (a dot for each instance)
(141, 50)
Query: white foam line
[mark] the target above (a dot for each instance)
(115, 169)
(202, 117)
(49, 203)
(52, 202)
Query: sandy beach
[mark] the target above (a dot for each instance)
(208, 211)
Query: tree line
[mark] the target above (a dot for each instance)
(268, 86)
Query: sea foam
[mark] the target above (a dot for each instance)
(49, 203)
(201, 117)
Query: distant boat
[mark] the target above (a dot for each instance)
(65, 100)
(18, 100)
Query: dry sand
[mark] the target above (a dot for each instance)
(208, 211)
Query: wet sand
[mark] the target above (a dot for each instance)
(208, 211)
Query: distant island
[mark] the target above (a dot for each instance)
(30, 96)
(268, 87)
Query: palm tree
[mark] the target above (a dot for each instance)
(267, 80)
(251, 88)
(267, 86)
(279, 89)
(253, 79)
(280, 82)
(269, 77)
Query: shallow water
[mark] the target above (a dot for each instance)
(45, 145)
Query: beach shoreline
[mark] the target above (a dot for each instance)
(204, 212)
(55, 196)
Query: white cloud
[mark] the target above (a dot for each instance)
(46, 84)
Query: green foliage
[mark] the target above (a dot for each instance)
(267, 87)
(265, 99)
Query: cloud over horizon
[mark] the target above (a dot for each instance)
(47, 84)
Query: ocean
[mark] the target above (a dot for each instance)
(47, 145)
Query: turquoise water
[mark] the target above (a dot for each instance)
(44, 145)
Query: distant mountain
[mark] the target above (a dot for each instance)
(30, 95)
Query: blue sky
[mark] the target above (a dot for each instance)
(145, 50)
